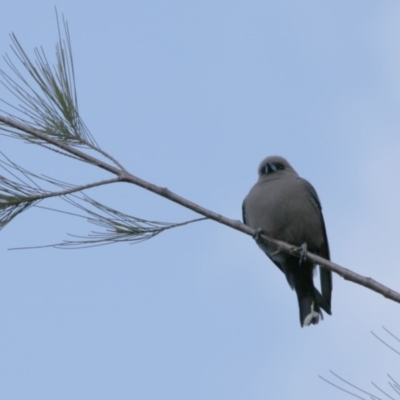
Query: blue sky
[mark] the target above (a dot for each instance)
(192, 96)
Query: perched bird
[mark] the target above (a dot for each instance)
(286, 207)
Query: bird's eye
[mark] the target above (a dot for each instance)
(279, 166)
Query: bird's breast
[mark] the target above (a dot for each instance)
(284, 212)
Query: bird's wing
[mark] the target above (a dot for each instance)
(244, 212)
(325, 275)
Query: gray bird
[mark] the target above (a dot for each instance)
(286, 207)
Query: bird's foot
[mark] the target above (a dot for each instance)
(303, 253)
(257, 235)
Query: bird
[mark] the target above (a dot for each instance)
(286, 207)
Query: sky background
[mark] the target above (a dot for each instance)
(192, 95)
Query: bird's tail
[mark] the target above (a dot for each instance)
(310, 299)
(310, 312)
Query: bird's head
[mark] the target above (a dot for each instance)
(274, 166)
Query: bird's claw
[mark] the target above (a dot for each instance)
(257, 235)
(303, 253)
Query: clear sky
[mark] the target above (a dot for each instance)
(192, 95)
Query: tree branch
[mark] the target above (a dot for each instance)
(124, 176)
(25, 129)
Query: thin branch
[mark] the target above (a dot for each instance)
(341, 388)
(26, 129)
(386, 344)
(382, 391)
(74, 189)
(391, 334)
(119, 227)
(394, 385)
(53, 109)
(372, 396)
(125, 176)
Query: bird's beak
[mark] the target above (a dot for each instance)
(271, 167)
